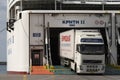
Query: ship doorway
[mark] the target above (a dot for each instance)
(54, 42)
(37, 57)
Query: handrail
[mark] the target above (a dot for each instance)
(102, 1)
(93, 0)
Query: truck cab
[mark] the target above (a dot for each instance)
(89, 53)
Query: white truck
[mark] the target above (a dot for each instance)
(83, 51)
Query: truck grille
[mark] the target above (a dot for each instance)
(92, 61)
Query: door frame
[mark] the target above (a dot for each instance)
(35, 48)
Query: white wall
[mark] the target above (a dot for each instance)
(18, 56)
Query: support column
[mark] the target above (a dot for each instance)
(113, 47)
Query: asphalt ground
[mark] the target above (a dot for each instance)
(59, 77)
(110, 74)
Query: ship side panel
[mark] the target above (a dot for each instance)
(18, 59)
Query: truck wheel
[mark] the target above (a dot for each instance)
(75, 68)
(71, 69)
(62, 62)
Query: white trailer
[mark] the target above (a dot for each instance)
(83, 51)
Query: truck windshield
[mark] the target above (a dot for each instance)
(90, 49)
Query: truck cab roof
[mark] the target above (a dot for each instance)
(89, 34)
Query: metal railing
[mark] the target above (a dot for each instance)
(93, 0)
(89, 1)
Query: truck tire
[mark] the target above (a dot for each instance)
(62, 62)
(75, 68)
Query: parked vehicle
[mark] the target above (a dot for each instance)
(83, 51)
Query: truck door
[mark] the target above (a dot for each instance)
(37, 57)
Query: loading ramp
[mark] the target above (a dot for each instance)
(50, 70)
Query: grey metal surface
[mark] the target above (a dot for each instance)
(110, 74)
(59, 77)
